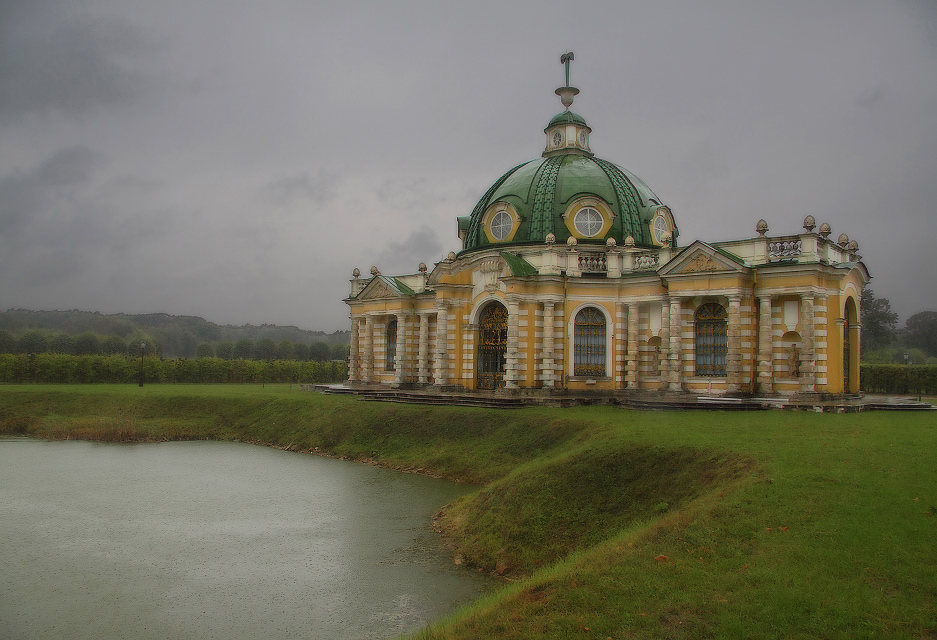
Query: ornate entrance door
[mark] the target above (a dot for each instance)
(492, 346)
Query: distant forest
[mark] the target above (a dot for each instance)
(90, 333)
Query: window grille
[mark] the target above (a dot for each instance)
(390, 346)
(589, 343)
(711, 340)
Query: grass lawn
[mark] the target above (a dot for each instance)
(609, 523)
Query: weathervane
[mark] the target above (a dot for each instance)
(566, 58)
(567, 93)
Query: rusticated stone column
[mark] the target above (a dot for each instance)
(734, 353)
(442, 343)
(664, 360)
(353, 351)
(632, 366)
(548, 360)
(400, 363)
(621, 344)
(510, 356)
(368, 375)
(676, 344)
(424, 349)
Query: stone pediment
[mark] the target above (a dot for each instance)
(380, 288)
(700, 258)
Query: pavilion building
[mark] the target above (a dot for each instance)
(570, 279)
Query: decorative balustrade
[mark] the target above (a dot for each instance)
(784, 249)
(645, 261)
(593, 263)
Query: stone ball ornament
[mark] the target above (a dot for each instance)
(810, 223)
(422, 267)
(761, 227)
(356, 273)
(610, 244)
(375, 271)
(451, 256)
(572, 242)
(550, 239)
(666, 238)
(843, 240)
(852, 246)
(629, 242)
(825, 230)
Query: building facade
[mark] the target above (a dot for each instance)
(570, 279)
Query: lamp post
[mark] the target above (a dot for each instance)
(142, 353)
(907, 375)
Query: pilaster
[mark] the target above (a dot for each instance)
(765, 347)
(808, 371)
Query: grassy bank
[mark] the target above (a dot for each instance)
(605, 522)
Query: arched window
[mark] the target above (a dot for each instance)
(390, 346)
(589, 343)
(711, 340)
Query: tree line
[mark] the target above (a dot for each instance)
(883, 342)
(59, 368)
(35, 341)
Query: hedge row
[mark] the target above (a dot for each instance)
(899, 378)
(60, 368)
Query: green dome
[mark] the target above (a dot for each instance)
(542, 190)
(567, 117)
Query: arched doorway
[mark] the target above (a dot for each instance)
(492, 346)
(851, 347)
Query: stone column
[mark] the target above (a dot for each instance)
(368, 374)
(664, 360)
(765, 347)
(353, 351)
(442, 343)
(400, 362)
(808, 371)
(548, 360)
(424, 349)
(734, 353)
(632, 376)
(621, 344)
(510, 356)
(676, 344)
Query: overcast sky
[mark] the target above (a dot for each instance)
(236, 160)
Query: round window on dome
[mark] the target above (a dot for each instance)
(501, 225)
(588, 222)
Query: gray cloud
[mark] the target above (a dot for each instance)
(24, 193)
(422, 245)
(56, 57)
(319, 188)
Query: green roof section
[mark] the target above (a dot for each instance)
(519, 267)
(567, 117)
(542, 190)
(404, 289)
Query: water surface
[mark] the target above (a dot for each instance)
(216, 540)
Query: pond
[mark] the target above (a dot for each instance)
(217, 540)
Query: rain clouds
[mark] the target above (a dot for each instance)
(237, 162)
